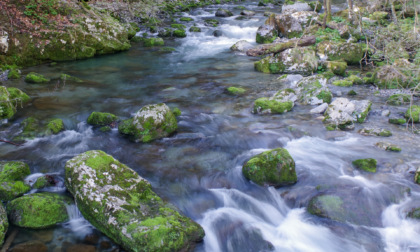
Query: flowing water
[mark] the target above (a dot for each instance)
(199, 168)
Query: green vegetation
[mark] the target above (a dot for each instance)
(368, 164)
(101, 118)
(36, 78)
(272, 106)
(235, 90)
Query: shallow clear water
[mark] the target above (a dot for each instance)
(199, 168)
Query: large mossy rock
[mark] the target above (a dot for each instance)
(313, 90)
(223, 13)
(291, 24)
(266, 34)
(342, 113)
(4, 223)
(32, 127)
(12, 174)
(101, 118)
(299, 60)
(37, 78)
(366, 164)
(122, 205)
(351, 53)
(273, 168)
(38, 210)
(281, 102)
(10, 99)
(149, 123)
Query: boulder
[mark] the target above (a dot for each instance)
(149, 42)
(195, 29)
(266, 34)
(281, 102)
(413, 114)
(299, 60)
(375, 132)
(291, 25)
(101, 118)
(36, 78)
(271, 168)
(32, 128)
(351, 53)
(342, 113)
(320, 109)
(149, 123)
(217, 33)
(313, 90)
(241, 46)
(4, 223)
(38, 210)
(54, 126)
(367, 164)
(211, 22)
(223, 13)
(12, 174)
(337, 67)
(10, 99)
(122, 205)
(247, 13)
(388, 146)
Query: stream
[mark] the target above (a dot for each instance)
(199, 169)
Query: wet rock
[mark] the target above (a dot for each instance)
(375, 132)
(150, 42)
(195, 29)
(105, 245)
(217, 33)
(12, 174)
(351, 53)
(291, 25)
(54, 126)
(211, 22)
(44, 181)
(223, 13)
(271, 168)
(44, 235)
(36, 78)
(38, 210)
(299, 60)
(91, 239)
(81, 248)
(313, 90)
(149, 123)
(10, 98)
(413, 114)
(101, 119)
(385, 113)
(417, 176)
(320, 109)
(30, 246)
(236, 90)
(342, 113)
(32, 128)
(388, 146)
(367, 164)
(66, 77)
(4, 223)
(241, 46)
(122, 205)
(247, 13)
(281, 102)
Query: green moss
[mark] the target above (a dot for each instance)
(105, 129)
(273, 106)
(101, 119)
(355, 80)
(36, 78)
(66, 77)
(235, 90)
(393, 148)
(178, 26)
(126, 127)
(269, 65)
(13, 171)
(368, 164)
(327, 206)
(180, 33)
(31, 127)
(176, 112)
(325, 96)
(275, 168)
(18, 95)
(351, 93)
(13, 74)
(195, 29)
(55, 126)
(342, 83)
(328, 75)
(397, 121)
(11, 190)
(166, 49)
(38, 210)
(266, 39)
(149, 42)
(211, 22)
(337, 67)
(398, 99)
(41, 182)
(186, 19)
(413, 114)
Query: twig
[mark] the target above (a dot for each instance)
(5, 141)
(9, 240)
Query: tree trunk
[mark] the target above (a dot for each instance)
(350, 3)
(394, 13)
(329, 18)
(324, 21)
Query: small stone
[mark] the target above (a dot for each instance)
(385, 113)
(375, 132)
(320, 109)
(368, 164)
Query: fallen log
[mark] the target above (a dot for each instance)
(279, 47)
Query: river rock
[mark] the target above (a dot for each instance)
(291, 24)
(320, 109)
(413, 114)
(10, 99)
(271, 168)
(38, 210)
(122, 205)
(388, 146)
(337, 67)
(351, 53)
(12, 174)
(247, 13)
(217, 33)
(149, 123)
(296, 7)
(101, 119)
(30, 246)
(223, 13)
(241, 46)
(342, 113)
(4, 223)
(399, 99)
(266, 34)
(37, 78)
(367, 164)
(32, 127)
(299, 60)
(281, 102)
(375, 132)
(313, 90)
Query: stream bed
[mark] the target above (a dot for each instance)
(198, 169)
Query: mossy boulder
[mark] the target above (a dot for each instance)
(327, 206)
(18, 96)
(38, 210)
(32, 127)
(101, 118)
(150, 42)
(413, 114)
(342, 83)
(266, 34)
(367, 164)
(351, 53)
(66, 77)
(55, 126)
(43, 181)
(279, 103)
(379, 15)
(337, 67)
(388, 146)
(10, 99)
(235, 90)
(313, 90)
(186, 19)
(149, 123)
(398, 121)
(375, 132)
(33, 77)
(211, 22)
(13, 74)
(179, 33)
(178, 26)
(273, 168)
(12, 174)
(4, 223)
(342, 113)
(195, 29)
(122, 205)
(399, 99)
(292, 24)
(223, 13)
(354, 79)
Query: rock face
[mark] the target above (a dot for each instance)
(283, 101)
(9, 99)
(273, 168)
(12, 174)
(342, 113)
(38, 210)
(149, 123)
(4, 224)
(313, 90)
(122, 205)
(351, 53)
(299, 60)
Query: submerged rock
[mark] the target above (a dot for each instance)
(150, 42)
(241, 46)
(101, 118)
(273, 168)
(30, 246)
(388, 146)
(223, 13)
(375, 132)
(122, 205)
(283, 101)
(235, 90)
(149, 123)
(32, 128)
(36, 78)
(12, 174)
(38, 210)
(367, 164)
(342, 113)
(66, 77)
